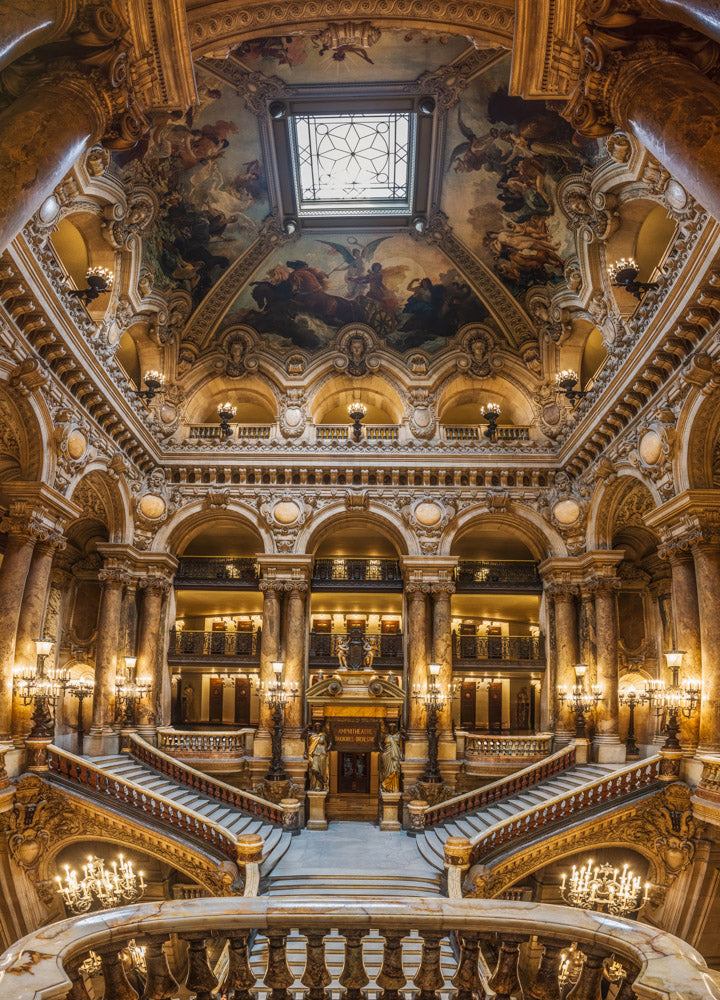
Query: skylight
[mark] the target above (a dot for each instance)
(353, 163)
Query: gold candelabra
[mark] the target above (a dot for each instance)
(604, 888)
(107, 888)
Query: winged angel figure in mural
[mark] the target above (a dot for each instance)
(361, 279)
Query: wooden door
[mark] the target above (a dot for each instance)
(495, 643)
(468, 694)
(495, 707)
(216, 700)
(217, 639)
(354, 773)
(242, 701)
(468, 642)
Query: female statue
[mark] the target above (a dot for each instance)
(390, 759)
(318, 753)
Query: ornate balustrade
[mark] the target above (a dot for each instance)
(204, 432)
(501, 789)
(230, 573)
(369, 432)
(472, 433)
(204, 783)
(493, 574)
(187, 643)
(324, 648)
(709, 787)
(568, 805)
(365, 574)
(653, 963)
(200, 743)
(482, 747)
(488, 648)
(121, 791)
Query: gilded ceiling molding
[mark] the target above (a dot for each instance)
(546, 60)
(215, 27)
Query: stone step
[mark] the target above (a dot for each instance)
(344, 884)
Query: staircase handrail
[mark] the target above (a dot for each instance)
(204, 783)
(500, 789)
(658, 964)
(639, 774)
(80, 771)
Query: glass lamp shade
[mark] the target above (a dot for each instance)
(434, 669)
(130, 662)
(674, 657)
(277, 667)
(43, 647)
(580, 670)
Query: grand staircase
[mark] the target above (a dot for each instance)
(431, 841)
(229, 818)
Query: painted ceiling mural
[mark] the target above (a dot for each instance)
(501, 165)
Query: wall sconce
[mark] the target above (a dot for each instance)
(99, 281)
(356, 411)
(226, 412)
(154, 382)
(566, 381)
(491, 413)
(623, 274)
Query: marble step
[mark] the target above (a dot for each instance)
(342, 884)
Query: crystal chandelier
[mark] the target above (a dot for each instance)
(604, 888)
(356, 411)
(276, 694)
(434, 698)
(129, 689)
(107, 888)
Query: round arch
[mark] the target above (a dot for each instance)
(180, 529)
(336, 517)
(96, 491)
(330, 398)
(606, 502)
(526, 525)
(25, 450)
(697, 462)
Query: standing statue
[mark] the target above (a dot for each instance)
(370, 651)
(318, 754)
(342, 648)
(390, 760)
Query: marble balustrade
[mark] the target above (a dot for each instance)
(199, 743)
(480, 747)
(654, 963)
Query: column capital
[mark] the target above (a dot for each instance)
(689, 520)
(446, 587)
(280, 570)
(428, 571)
(39, 512)
(161, 584)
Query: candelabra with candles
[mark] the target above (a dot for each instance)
(624, 274)
(99, 281)
(673, 701)
(434, 699)
(579, 700)
(80, 688)
(632, 699)
(154, 382)
(605, 889)
(356, 411)
(128, 689)
(226, 412)
(566, 381)
(41, 686)
(491, 413)
(100, 886)
(276, 694)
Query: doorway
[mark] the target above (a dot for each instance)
(354, 773)
(468, 694)
(216, 700)
(495, 707)
(242, 701)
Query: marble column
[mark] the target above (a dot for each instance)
(13, 575)
(295, 641)
(417, 673)
(27, 24)
(30, 622)
(106, 653)
(42, 134)
(706, 559)
(701, 15)
(149, 660)
(442, 651)
(607, 725)
(566, 654)
(269, 643)
(686, 615)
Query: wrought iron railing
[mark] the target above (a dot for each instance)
(484, 937)
(517, 648)
(201, 572)
(387, 646)
(185, 642)
(366, 573)
(493, 574)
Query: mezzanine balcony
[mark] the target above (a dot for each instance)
(198, 573)
(516, 577)
(357, 574)
(327, 650)
(230, 648)
(472, 650)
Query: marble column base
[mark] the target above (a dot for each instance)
(148, 733)
(583, 751)
(101, 742)
(389, 810)
(609, 750)
(316, 810)
(416, 747)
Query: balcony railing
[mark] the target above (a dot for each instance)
(369, 432)
(479, 747)
(225, 574)
(324, 648)
(235, 644)
(201, 743)
(204, 432)
(367, 946)
(489, 648)
(465, 433)
(365, 574)
(497, 575)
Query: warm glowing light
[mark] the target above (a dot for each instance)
(108, 888)
(604, 888)
(101, 272)
(43, 647)
(227, 410)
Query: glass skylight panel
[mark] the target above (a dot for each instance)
(353, 163)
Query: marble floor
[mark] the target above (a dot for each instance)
(352, 848)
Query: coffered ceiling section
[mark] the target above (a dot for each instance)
(354, 176)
